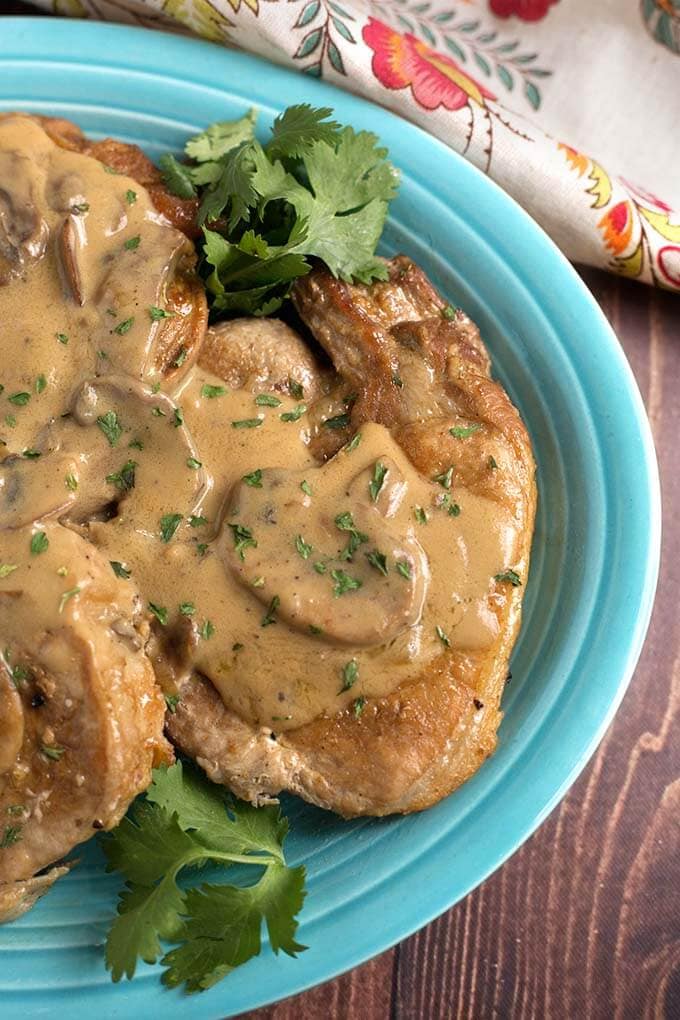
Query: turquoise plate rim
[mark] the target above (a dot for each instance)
(518, 254)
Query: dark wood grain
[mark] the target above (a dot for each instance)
(584, 921)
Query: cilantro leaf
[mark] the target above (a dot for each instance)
(296, 128)
(224, 929)
(186, 822)
(220, 138)
(176, 176)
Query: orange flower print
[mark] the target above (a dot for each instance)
(617, 227)
(435, 80)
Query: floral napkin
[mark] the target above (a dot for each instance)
(563, 102)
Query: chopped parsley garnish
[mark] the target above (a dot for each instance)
(449, 312)
(54, 753)
(71, 482)
(267, 400)
(340, 421)
(350, 675)
(202, 548)
(119, 570)
(212, 391)
(454, 510)
(178, 416)
(158, 412)
(110, 426)
(444, 478)
(358, 705)
(397, 380)
(247, 423)
(304, 548)
(20, 399)
(39, 543)
(254, 479)
(353, 443)
(320, 567)
(344, 583)
(156, 314)
(132, 243)
(62, 571)
(125, 326)
(62, 338)
(80, 207)
(491, 463)
(378, 480)
(171, 702)
(313, 629)
(169, 525)
(160, 612)
(194, 464)
(67, 596)
(40, 384)
(130, 196)
(20, 674)
(181, 357)
(187, 608)
(306, 487)
(10, 420)
(464, 431)
(243, 539)
(442, 636)
(270, 616)
(420, 514)
(11, 835)
(345, 522)
(258, 582)
(197, 522)
(295, 414)
(511, 576)
(124, 480)
(8, 568)
(295, 389)
(31, 454)
(404, 568)
(207, 630)
(378, 560)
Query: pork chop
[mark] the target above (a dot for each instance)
(419, 369)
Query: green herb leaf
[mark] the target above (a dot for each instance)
(71, 482)
(40, 384)
(207, 630)
(306, 487)
(130, 196)
(119, 570)
(67, 596)
(267, 400)
(378, 480)
(124, 480)
(178, 416)
(31, 454)
(54, 753)
(420, 514)
(298, 127)
(353, 443)
(171, 702)
(442, 636)
(194, 464)
(350, 675)
(464, 431)
(243, 539)
(248, 423)
(8, 568)
(212, 391)
(254, 479)
(449, 312)
(197, 522)
(132, 243)
(39, 543)
(270, 616)
(187, 608)
(295, 414)
(491, 464)
(378, 560)
(125, 326)
(169, 525)
(156, 314)
(62, 338)
(344, 583)
(445, 478)
(160, 612)
(511, 576)
(304, 549)
(340, 421)
(295, 389)
(19, 399)
(404, 568)
(176, 177)
(110, 426)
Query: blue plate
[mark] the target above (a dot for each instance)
(595, 557)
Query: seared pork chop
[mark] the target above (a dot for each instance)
(419, 368)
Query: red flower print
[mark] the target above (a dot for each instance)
(617, 227)
(668, 260)
(527, 10)
(435, 80)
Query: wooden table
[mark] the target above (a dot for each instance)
(584, 921)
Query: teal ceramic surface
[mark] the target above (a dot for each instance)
(595, 556)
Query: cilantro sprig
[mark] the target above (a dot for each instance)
(184, 823)
(314, 189)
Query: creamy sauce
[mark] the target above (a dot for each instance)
(296, 588)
